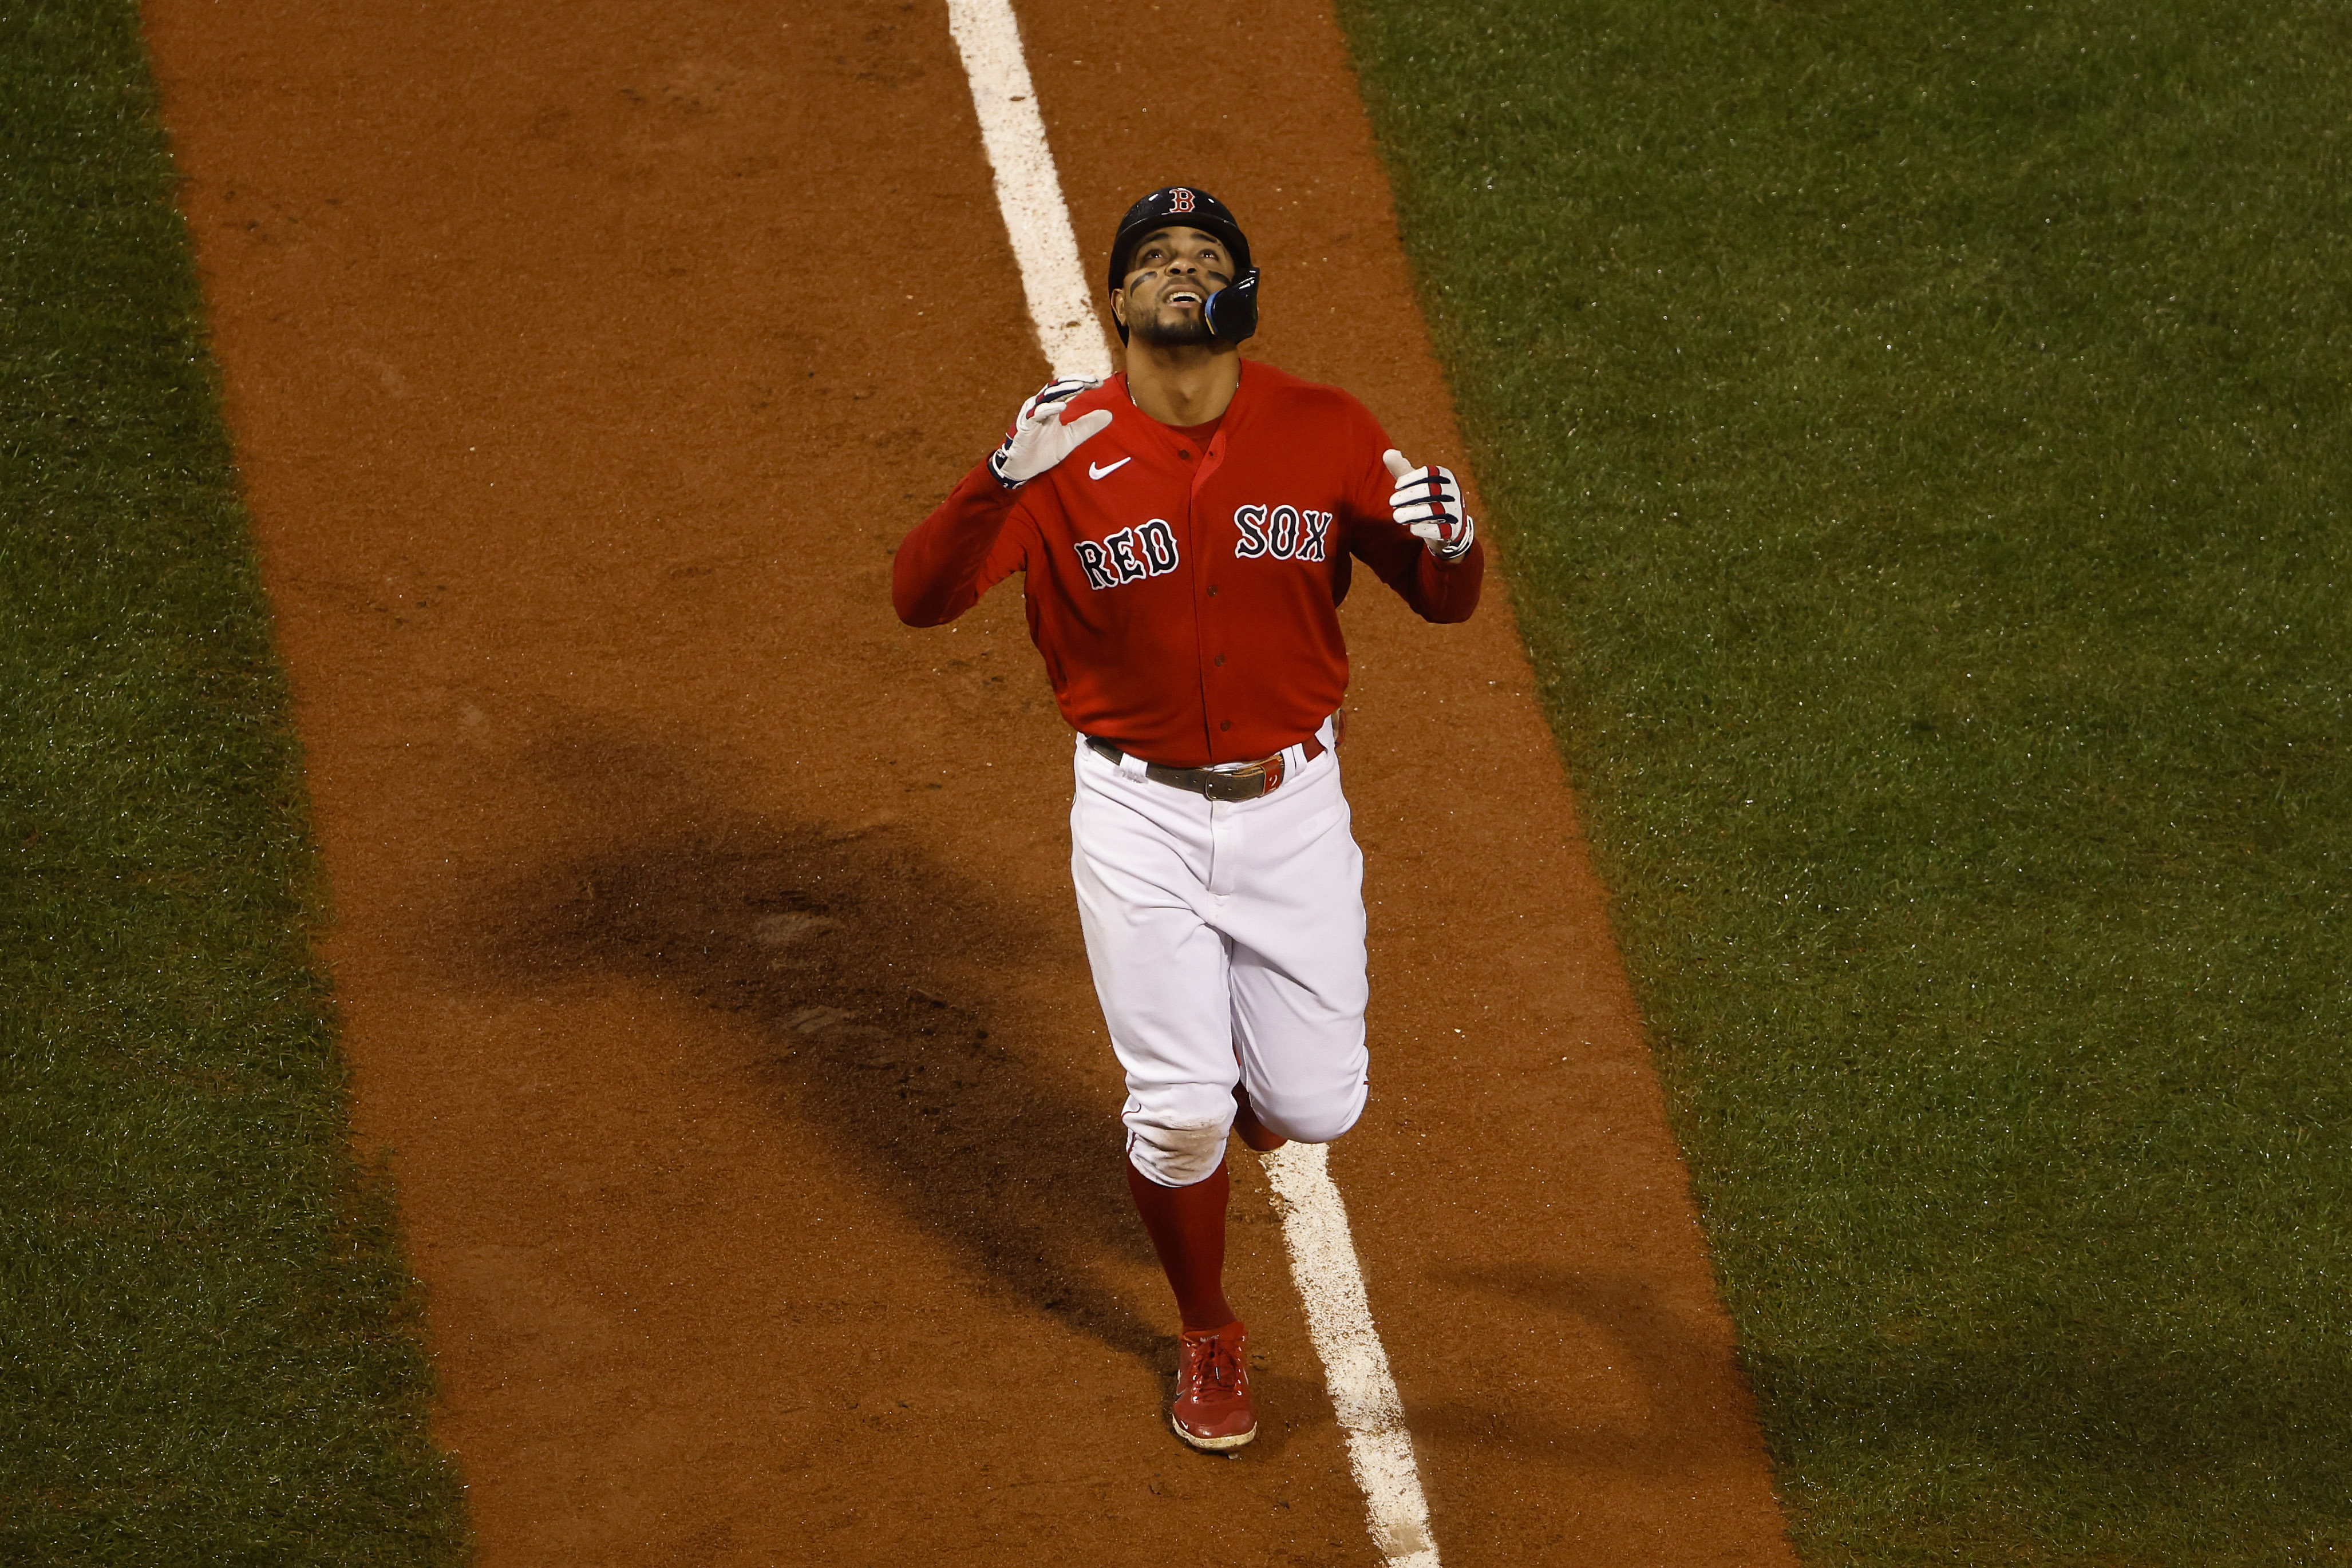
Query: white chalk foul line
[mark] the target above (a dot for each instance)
(1314, 1220)
(1028, 189)
(1355, 1368)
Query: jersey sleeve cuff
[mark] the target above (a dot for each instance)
(983, 487)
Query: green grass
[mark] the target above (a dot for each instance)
(207, 1353)
(1922, 437)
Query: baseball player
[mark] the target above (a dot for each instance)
(1186, 532)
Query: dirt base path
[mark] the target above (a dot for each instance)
(707, 946)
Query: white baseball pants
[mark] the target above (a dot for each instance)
(1227, 940)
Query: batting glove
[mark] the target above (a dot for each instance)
(1429, 502)
(1039, 439)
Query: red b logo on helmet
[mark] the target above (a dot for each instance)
(1180, 200)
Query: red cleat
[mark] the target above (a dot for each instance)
(1213, 1409)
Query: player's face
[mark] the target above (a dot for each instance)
(1170, 274)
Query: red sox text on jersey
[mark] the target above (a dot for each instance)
(1286, 533)
(1185, 593)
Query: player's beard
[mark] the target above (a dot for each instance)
(1162, 330)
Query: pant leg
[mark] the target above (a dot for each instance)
(1295, 922)
(1141, 863)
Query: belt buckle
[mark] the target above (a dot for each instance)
(1242, 784)
(1259, 778)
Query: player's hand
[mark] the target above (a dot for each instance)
(1039, 439)
(1429, 502)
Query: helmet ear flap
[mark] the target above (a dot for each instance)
(1231, 312)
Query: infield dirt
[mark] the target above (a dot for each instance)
(707, 951)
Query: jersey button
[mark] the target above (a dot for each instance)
(1225, 724)
(1212, 590)
(1220, 660)
(1184, 455)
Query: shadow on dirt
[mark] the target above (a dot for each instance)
(1673, 1366)
(848, 957)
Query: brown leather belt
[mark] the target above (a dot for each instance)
(1260, 778)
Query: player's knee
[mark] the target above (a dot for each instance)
(1178, 1156)
(1315, 1117)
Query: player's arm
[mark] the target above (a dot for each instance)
(941, 567)
(1409, 527)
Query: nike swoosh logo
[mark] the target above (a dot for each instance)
(1097, 470)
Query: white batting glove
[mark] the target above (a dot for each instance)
(1429, 502)
(1039, 439)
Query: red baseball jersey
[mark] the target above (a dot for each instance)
(1186, 596)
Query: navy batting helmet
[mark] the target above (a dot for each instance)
(1231, 311)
